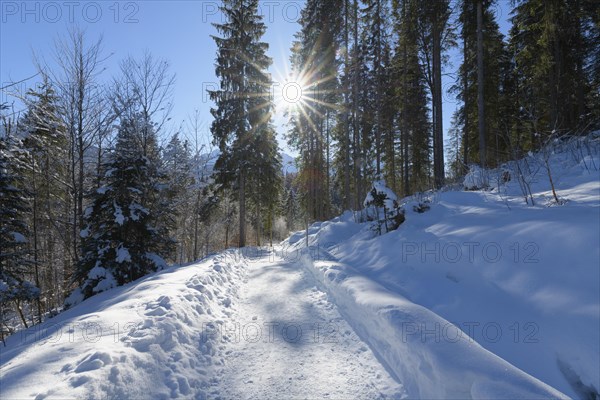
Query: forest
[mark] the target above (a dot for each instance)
(96, 192)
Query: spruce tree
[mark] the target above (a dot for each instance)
(314, 62)
(375, 20)
(435, 37)
(243, 105)
(177, 168)
(265, 184)
(126, 235)
(413, 120)
(15, 256)
(551, 41)
(46, 143)
(494, 62)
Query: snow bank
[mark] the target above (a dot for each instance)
(144, 339)
(429, 355)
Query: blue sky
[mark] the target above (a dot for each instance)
(178, 31)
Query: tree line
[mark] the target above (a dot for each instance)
(98, 189)
(373, 102)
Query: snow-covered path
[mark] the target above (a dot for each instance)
(287, 340)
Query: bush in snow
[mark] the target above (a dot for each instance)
(421, 207)
(381, 206)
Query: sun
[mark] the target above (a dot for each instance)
(290, 94)
(306, 93)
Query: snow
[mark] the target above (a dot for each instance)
(294, 343)
(104, 189)
(105, 280)
(97, 272)
(74, 298)
(139, 339)
(380, 188)
(432, 357)
(482, 296)
(119, 217)
(475, 178)
(105, 284)
(88, 212)
(18, 237)
(123, 255)
(519, 284)
(137, 210)
(157, 260)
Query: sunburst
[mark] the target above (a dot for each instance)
(303, 92)
(290, 94)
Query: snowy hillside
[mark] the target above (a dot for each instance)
(481, 296)
(521, 281)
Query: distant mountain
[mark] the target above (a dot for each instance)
(288, 164)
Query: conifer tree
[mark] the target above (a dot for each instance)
(15, 257)
(314, 61)
(551, 40)
(46, 142)
(435, 37)
(377, 48)
(125, 236)
(243, 105)
(494, 61)
(411, 97)
(178, 170)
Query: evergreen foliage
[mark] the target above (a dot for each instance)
(127, 233)
(241, 128)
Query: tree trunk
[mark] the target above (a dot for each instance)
(346, 110)
(356, 133)
(466, 141)
(404, 116)
(242, 240)
(378, 91)
(257, 224)
(328, 178)
(438, 135)
(480, 87)
(35, 238)
(21, 315)
(196, 229)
